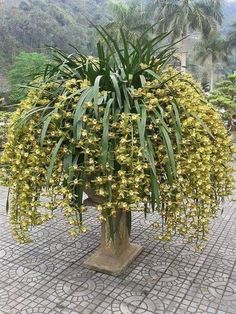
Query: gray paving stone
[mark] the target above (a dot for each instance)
(47, 276)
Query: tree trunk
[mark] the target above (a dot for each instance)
(183, 60)
(184, 51)
(114, 256)
(212, 75)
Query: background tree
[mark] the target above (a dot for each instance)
(212, 49)
(132, 16)
(30, 25)
(232, 36)
(23, 71)
(183, 17)
(224, 96)
(205, 81)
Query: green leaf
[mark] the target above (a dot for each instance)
(127, 103)
(8, 201)
(128, 221)
(177, 118)
(155, 192)
(117, 89)
(142, 80)
(152, 73)
(145, 210)
(111, 227)
(96, 93)
(125, 45)
(68, 163)
(108, 42)
(118, 218)
(105, 136)
(53, 158)
(177, 125)
(169, 149)
(45, 129)
(79, 192)
(26, 116)
(142, 125)
(86, 96)
(116, 47)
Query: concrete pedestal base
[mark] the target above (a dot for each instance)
(113, 256)
(233, 135)
(113, 264)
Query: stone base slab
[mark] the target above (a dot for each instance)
(113, 264)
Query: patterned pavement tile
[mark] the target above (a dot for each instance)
(48, 276)
(210, 296)
(24, 294)
(129, 302)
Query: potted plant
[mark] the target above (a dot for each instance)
(130, 132)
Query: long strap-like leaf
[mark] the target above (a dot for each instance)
(86, 96)
(53, 158)
(105, 137)
(170, 152)
(45, 129)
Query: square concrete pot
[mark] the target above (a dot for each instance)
(114, 256)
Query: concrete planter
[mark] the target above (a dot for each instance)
(114, 256)
(233, 135)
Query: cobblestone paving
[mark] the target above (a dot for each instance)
(48, 276)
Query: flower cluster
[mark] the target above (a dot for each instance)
(169, 152)
(4, 118)
(202, 159)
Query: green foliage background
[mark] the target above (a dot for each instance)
(23, 71)
(30, 25)
(224, 96)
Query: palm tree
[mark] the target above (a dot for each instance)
(212, 49)
(132, 16)
(183, 17)
(232, 37)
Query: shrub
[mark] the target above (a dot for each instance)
(25, 68)
(224, 97)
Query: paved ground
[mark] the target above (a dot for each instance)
(48, 276)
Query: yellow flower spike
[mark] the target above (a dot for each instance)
(102, 218)
(99, 208)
